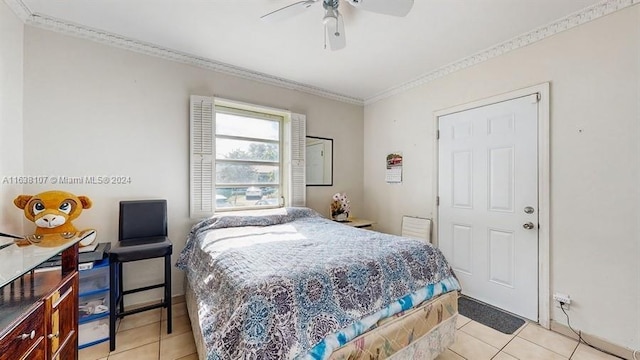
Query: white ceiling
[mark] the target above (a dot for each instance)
(382, 51)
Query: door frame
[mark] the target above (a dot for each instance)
(544, 218)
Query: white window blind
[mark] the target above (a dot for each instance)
(202, 155)
(298, 150)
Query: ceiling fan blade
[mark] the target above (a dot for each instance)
(288, 11)
(335, 32)
(387, 7)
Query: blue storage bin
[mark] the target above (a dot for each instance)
(95, 279)
(93, 306)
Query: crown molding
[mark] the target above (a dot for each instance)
(585, 15)
(104, 37)
(19, 8)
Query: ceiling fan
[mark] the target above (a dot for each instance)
(332, 20)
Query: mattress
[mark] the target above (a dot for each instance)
(421, 333)
(391, 335)
(298, 286)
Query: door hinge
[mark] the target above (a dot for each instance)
(437, 200)
(537, 97)
(437, 134)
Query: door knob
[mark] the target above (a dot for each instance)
(528, 225)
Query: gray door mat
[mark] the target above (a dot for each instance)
(488, 315)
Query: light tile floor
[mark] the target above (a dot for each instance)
(144, 336)
(475, 341)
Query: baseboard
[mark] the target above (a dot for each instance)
(593, 340)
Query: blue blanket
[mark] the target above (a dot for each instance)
(275, 286)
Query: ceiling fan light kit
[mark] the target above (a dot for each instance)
(333, 24)
(330, 17)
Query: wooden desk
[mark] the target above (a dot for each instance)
(39, 309)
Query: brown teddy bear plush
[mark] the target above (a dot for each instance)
(52, 212)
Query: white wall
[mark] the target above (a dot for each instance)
(11, 93)
(594, 71)
(91, 109)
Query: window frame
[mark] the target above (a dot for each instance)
(202, 191)
(256, 112)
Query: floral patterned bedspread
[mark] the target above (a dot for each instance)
(275, 286)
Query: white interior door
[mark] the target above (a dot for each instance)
(488, 212)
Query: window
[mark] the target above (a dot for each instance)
(244, 156)
(248, 158)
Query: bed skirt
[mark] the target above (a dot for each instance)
(421, 333)
(192, 310)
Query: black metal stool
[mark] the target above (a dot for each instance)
(142, 235)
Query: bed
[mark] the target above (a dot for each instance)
(289, 284)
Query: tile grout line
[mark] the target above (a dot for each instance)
(158, 352)
(553, 351)
(515, 335)
(574, 350)
(457, 354)
(118, 330)
(133, 348)
(460, 329)
(484, 342)
(544, 347)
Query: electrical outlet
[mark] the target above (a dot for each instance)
(562, 298)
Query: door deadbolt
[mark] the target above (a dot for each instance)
(529, 210)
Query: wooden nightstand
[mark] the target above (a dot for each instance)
(359, 223)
